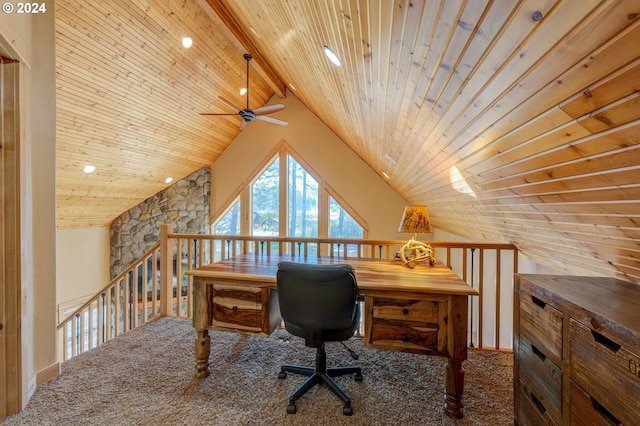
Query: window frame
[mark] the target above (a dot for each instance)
(244, 194)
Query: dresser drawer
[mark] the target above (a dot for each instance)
(408, 324)
(543, 376)
(532, 412)
(607, 371)
(542, 325)
(237, 307)
(586, 411)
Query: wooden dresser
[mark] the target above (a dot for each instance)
(576, 351)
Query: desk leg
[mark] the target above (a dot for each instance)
(454, 385)
(203, 349)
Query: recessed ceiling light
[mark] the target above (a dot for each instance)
(243, 91)
(385, 175)
(89, 169)
(255, 33)
(331, 55)
(187, 42)
(168, 180)
(292, 87)
(390, 159)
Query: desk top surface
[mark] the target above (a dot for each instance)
(371, 274)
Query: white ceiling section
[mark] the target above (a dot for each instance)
(511, 120)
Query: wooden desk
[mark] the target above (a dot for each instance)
(421, 310)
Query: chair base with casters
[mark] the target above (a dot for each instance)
(320, 375)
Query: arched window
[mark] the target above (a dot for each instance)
(286, 198)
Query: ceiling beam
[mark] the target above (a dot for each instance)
(221, 16)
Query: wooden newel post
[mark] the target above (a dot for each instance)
(166, 271)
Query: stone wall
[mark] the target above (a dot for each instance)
(184, 205)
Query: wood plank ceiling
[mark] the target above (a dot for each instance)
(511, 120)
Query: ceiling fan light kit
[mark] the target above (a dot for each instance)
(247, 114)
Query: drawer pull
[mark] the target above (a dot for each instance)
(405, 339)
(235, 308)
(537, 352)
(538, 302)
(405, 311)
(606, 342)
(538, 404)
(605, 413)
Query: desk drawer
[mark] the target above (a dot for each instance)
(542, 324)
(607, 371)
(237, 307)
(412, 325)
(544, 377)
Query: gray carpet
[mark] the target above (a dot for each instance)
(145, 377)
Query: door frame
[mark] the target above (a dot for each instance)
(10, 332)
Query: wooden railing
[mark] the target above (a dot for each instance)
(128, 301)
(156, 285)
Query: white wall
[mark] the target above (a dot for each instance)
(31, 40)
(82, 262)
(346, 173)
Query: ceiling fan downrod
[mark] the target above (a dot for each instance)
(248, 57)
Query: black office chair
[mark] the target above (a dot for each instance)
(319, 304)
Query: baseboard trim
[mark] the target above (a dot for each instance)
(48, 373)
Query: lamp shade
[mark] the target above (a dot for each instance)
(415, 219)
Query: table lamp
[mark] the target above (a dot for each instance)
(415, 219)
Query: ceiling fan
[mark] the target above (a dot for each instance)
(247, 114)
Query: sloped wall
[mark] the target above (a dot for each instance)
(185, 205)
(341, 168)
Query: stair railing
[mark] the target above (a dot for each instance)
(157, 285)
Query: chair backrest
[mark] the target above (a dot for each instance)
(317, 297)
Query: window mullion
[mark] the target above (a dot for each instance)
(245, 211)
(323, 212)
(283, 214)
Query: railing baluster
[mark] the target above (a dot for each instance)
(100, 316)
(116, 329)
(481, 296)
(135, 285)
(93, 321)
(497, 301)
(74, 335)
(110, 315)
(144, 288)
(126, 302)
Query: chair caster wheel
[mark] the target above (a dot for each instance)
(358, 377)
(291, 409)
(347, 410)
(282, 375)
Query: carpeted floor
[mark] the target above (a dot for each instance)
(145, 377)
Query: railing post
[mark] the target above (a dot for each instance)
(166, 271)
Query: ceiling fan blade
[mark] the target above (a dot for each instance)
(243, 124)
(268, 109)
(215, 113)
(271, 120)
(237, 108)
